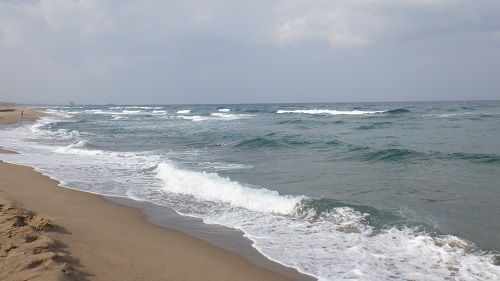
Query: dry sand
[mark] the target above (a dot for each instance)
(73, 235)
(26, 253)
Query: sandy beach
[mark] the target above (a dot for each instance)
(12, 114)
(48, 232)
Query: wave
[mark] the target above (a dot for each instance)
(316, 208)
(40, 127)
(328, 112)
(476, 157)
(375, 125)
(366, 239)
(81, 147)
(258, 142)
(184, 111)
(393, 154)
(211, 187)
(226, 116)
(271, 141)
(131, 112)
(195, 118)
(342, 112)
(117, 112)
(330, 239)
(222, 166)
(134, 107)
(324, 208)
(464, 115)
(399, 154)
(296, 121)
(397, 111)
(254, 110)
(59, 113)
(224, 109)
(365, 153)
(159, 112)
(219, 116)
(333, 143)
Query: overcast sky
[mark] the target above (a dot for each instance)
(163, 52)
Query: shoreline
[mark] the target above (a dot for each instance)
(95, 237)
(13, 114)
(103, 240)
(222, 237)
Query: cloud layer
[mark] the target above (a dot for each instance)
(153, 51)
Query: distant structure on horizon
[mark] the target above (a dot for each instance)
(72, 104)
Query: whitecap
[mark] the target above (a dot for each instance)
(328, 111)
(211, 187)
(81, 147)
(195, 118)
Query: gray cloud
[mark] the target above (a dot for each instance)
(248, 51)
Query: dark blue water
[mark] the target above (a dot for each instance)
(386, 189)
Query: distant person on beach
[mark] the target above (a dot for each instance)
(22, 113)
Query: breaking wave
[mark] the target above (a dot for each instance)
(211, 187)
(328, 112)
(81, 147)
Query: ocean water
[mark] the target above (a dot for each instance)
(359, 191)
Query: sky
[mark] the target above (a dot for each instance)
(227, 51)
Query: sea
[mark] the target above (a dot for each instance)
(339, 191)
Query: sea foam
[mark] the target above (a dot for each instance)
(81, 147)
(328, 111)
(211, 187)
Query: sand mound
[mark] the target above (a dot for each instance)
(27, 253)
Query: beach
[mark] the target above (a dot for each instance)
(12, 114)
(355, 191)
(49, 232)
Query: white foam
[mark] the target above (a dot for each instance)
(185, 111)
(81, 147)
(223, 115)
(159, 112)
(116, 112)
(132, 112)
(195, 118)
(328, 111)
(456, 114)
(38, 129)
(224, 110)
(227, 116)
(99, 111)
(218, 166)
(211, 187)
(132, 108)
(340, 247)
(144, 107)
(63, 114)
